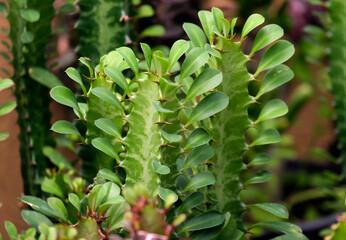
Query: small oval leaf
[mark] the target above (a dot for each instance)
(195, 34)
(207, 80)
(160, 169)
(273, 109)
(6, 83)
(30, 15)
(259, 159)
(268, 136)
(278, 53)
(39, 205)
(207, 21)
(171, 137)
(129, 57)
(251, 23)
(205, 220)
(108, 127)
(56, 158)
(267, 35)
(75, 201)
(192, 201)
(50, 186)
(274, 78)
(165, 195)
(64, 96)
(116, 76)
(34, 218)
(147, 54)
(153, 31)
(107, 96)
(65, 127)
(26, 37)
(7, 107)
(177, 50)
(212, 104)
(260, 177)
(194, 60)
(198, 155)
(197, 138)
(45, 77)
(58, 207)
(285, 227)
(200, 180)
(273, 208)
(105, 146)
(109, 175)
(74, 75)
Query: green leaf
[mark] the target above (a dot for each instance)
(160, 63)
(153, 31)
(58, 207)
(278, 53)
(75, 201)
(45, 77)
(109, 175)
(56, 158)
(67, 8)
(108, 127)
(145, 11)
(285, 227)
(11, 230)
(4, 135)
(226, 27)
(203, 221)
(65, 127)
(194, 60)
(50, 186)
(34, 218)
(268, 136)
(116, 76)
(160, 169)
(192, 201)
(259, 159)
(171, 137)
(265, 36)
(64, 96)
(7, 107)
(273, 109)
(218, 16)
(274, 78)
(74, 75)
(260, 177)
(195, 34)
(273, 208)
(30, 15)
(147, 54)
(6, 83)
(107, 96)
(198, 155)
(200, 180)
(197, 138)
(129, 57)
(105, 146)
(212, 104)
(4, 11)
(251, 23)
(26, 37)
(39, 205)
(161, 109)
(207, 80)
(207, 21)
(177, 50)
(5, 56)
(165, 195)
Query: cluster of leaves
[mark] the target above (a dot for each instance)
(8, 106)
(157, 126)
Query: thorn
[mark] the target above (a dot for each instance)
(86, 76)
(167, 145)
(88, 59)
(163, 122)
(212, 139)
(165, 100)
(125, 18)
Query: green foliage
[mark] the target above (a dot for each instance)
(6, 107)
(30, 31)
(337, 73)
